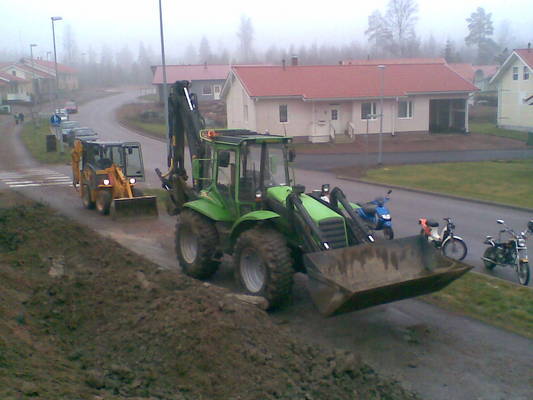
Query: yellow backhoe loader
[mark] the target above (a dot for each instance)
(105, 173)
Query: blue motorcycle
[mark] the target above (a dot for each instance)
(377, 215)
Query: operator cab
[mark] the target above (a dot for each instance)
(101, 155)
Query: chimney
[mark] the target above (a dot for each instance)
(294, 61)
(529, 47)
(205, 64)
(283, 64)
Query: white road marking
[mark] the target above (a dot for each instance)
(33, 177)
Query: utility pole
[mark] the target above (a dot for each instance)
(165, 88)
(58, 130)
(33, 85)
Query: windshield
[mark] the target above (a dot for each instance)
(134, 164)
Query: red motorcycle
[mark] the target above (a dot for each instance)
(451, 245)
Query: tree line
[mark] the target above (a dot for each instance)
(390, 33)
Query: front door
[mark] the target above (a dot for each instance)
(334, 119)
(216, 92)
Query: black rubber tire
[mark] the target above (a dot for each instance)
(137, 192)
(459, 243)
(202, 265)
(86, 198)
(272, 249)
(103, 201)
(489, 253)
(523, 273)
(388, 233)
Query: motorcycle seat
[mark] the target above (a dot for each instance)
(432, 223)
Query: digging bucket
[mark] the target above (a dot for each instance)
(135, 207)
(357, 277)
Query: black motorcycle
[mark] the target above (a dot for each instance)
(511, 252)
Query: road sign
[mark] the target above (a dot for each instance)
(55, 120)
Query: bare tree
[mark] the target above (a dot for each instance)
(395, 32)
(204, 51)
(246, 37)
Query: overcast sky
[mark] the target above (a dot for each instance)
(281, 22)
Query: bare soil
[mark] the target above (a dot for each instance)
(82, 317)
(411, 142)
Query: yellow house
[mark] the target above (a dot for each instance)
(514, 81)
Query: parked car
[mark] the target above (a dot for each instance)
(67, 126)
(71, 107)
(82, 133)
(62, 113)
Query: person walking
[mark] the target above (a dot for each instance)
(16, 116)
(21, 117)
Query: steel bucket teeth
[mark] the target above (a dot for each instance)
(142, 206)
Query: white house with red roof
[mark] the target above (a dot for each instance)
(328, 102)
(14, 87)
(514, 82)
(479, 75)
(206, 79)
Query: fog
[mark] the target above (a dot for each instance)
(117, 23)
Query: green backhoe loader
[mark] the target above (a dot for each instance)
(242, 200)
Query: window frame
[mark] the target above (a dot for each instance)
(210, 93)
(409, 109)
(515, 73)
(373, 111)
(525, 73)
(245, 112)
(286, 113)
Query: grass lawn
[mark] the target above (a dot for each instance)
(506, 182)
(151, 128)
(35, 141)
(488, 299)
(488, 128)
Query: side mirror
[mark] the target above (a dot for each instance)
(292, 155)
(223, 159)
(500, 221)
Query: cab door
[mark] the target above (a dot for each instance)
(226, 179)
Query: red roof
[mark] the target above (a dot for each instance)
(349, 81)
(526, 55)
(191, 73)
(51, 66)
(11, 77)
(468, 71)
(389, 61)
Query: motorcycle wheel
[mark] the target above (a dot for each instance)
(388, 233)
(490, 252)
(455, 248)
(523, 273)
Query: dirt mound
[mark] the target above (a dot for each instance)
(82, 317)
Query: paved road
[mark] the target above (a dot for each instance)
(320, 163)
(437, 353)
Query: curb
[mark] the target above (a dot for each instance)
(449, 196)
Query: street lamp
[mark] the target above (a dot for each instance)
(165, 88)
(58, 132)
(380, 141)
(32, 83)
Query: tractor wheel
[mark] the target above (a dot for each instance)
(196, 242)
(86, 198)
(263, 265)
(103, 201)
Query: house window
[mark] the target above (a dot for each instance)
(526, 73)
(245, 112)
(368, 110)
(283, 113)
(405, 109)
(334, 115)
(206, 90)
(14, 73)
(515, 73)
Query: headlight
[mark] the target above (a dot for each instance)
(385, 216)
(326, 246)
(106, 181)
(521, 243)
(132, 180)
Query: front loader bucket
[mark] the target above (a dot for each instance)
(357, 277)
(135, 207)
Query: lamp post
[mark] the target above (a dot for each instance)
(32, 84)
(165, 88)
(382, 89)
(58, 131)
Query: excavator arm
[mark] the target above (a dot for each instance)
(185, 123)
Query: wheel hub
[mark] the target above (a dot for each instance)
(253, 271)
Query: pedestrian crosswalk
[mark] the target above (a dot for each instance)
(32, 177)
